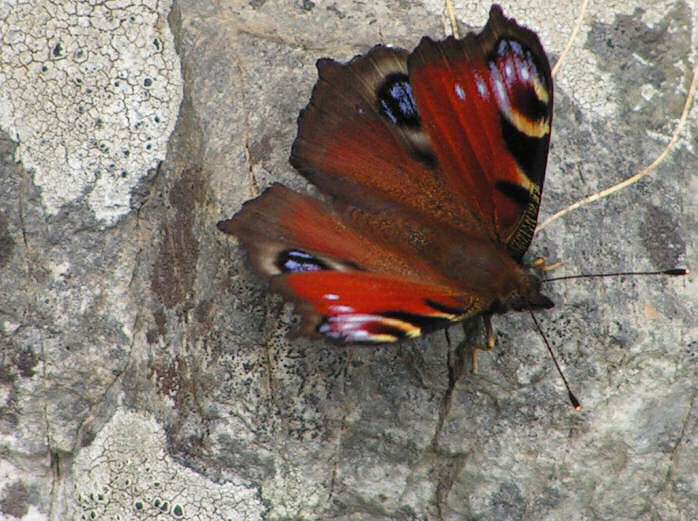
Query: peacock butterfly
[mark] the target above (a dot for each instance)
(433, 162)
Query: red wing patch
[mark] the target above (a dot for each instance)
(371, 308)
(486, 103)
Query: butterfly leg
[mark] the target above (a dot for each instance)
(491, 341)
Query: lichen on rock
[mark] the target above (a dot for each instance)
(90, 91)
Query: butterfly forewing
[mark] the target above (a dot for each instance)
(360, 140)
(489, 97)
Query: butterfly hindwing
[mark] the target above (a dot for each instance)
(365, 307)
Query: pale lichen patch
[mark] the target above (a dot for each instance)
(91, 93)
(126, 473)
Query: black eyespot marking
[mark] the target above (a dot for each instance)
(443, 308)
(516, 193)
(396, 101)
(531, 153)
(425, 157)
(364, 332)
(296, 261)
(527, 103)
(379, 328)
(506, 48)
(519, 69)
(425, 324)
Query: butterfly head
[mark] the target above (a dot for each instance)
(526, 296)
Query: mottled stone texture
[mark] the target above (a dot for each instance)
(146, 373)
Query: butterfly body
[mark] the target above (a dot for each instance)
(433, 164)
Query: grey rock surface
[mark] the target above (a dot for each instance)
(146, 372)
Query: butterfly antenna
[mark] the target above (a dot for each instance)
(573, 399)
(673, 272)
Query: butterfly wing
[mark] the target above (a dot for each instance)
(457, 131)
(489, 97)
(347, 283)
(364, 307)
(360, 140)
